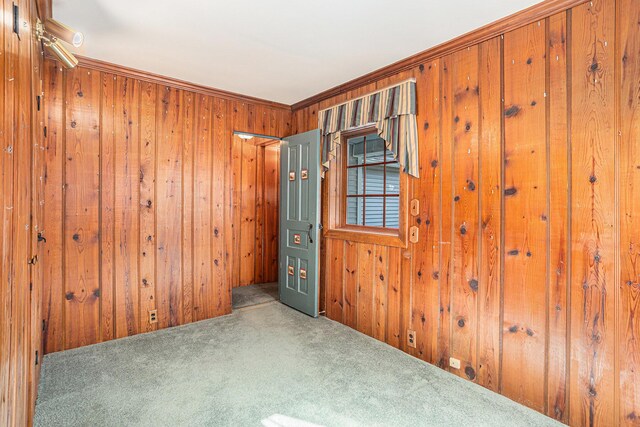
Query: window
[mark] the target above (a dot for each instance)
(373, 183)
(365, 198)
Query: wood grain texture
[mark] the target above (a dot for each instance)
(142, 221)
(555, 239)
(525, 216)
(22, 177)
(593, 219)
(464, 291)
(558, 159)
(81, 214)
(628, 60)
(490, 189)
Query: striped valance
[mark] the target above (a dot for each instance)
(391, 110)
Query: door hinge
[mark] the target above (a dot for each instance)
(45, 131)
(30, 287)
(43, 325)
(36, 357)
(38, 101)
(33, 260)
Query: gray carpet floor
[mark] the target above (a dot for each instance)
(245, 296)
(261, 366)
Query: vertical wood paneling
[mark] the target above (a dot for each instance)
(394, 296)
(258, 267)
(593, 219)
(464, 290)
(628, 60)
(81, 195)
(127, 177)
(247, 215)
(221, 303)
(558, 162)
(427, 192)
(364, 290)
(350, 310)
(188, 208)
(147, 256)
(169, 201)
(271, 206)
(446, 221)
(380, 284)
(107, 206)
(52, 294)
(525, 216)
(490, 190)
(141, 224)
(203, 211)
(551, 331)
(334, 279)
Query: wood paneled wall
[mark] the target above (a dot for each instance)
(256, 220)
(527, 265)
(21, 169)
(139, 201)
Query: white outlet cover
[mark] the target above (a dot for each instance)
(454, 363)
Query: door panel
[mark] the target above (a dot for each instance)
(299, 218)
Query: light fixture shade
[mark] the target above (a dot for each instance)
(63, 32)
(67, 59)
(245, 136)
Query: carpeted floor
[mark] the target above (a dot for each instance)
(245, 296)
(261, 366)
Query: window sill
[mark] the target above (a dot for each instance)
(381, 237)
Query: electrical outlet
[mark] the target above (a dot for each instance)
(454, 363)
(411, 338)
(153, 316)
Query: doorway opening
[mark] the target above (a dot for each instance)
(255, 201)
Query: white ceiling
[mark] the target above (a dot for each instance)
(280, 50)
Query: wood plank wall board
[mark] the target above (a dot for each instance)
(593, 219)
(247, 214)
(221, 303)
(126, 207)
(558, 199)
(147, 193)
(556, 166)
(271, 217)
(53, 291)
(465, 93)
(188, 177)
(108, 245)
(81, 208)
(21, 178)
(446, 209)
(203, 233)
(489, 190)
(628, 69)
(525, 215)
(155, 198)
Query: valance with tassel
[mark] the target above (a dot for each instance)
(391, 110)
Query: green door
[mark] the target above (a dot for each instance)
(299, 221)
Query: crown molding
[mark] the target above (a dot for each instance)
(108, 67)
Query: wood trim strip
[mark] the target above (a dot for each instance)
(44, 9)
(526, 16)
(121, 70)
